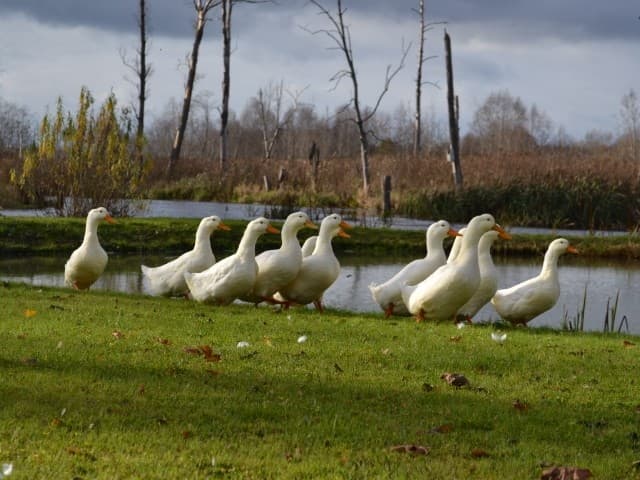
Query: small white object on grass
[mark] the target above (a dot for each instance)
(243, 344)
(498, 337)
(302, 339)
(461, 325)
(7, 468)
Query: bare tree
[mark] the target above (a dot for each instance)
(341, 36)
(202, 7)
(453, 154)
(417, 125)
(272, 115)
(630, 114)
(143, 70)
(227, 8)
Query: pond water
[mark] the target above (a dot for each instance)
(603, 282)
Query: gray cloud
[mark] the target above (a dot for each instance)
(571, 19)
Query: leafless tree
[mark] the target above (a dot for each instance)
(453, 155)
(417, 124)
(142, 70)
(227, 9)
(630, 115)
(202, 8)
(273, 116)
(339, 33)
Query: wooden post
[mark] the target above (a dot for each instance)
(386, 196)
(454, 132)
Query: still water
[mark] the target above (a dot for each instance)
(603, 282)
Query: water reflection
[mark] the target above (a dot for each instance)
(603, 281)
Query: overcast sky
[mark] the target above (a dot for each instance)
(574, 59)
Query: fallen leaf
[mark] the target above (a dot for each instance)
(117, 334)
(30, 313)
(479, 453)
(186, 434)
(193, 350)
(455, 338)
(164, 341)
(412, 449)
(444, 428)
(628, 344)
(520, 406)
(565, 473)
(455, 379)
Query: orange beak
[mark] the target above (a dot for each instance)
(454, 233)
(222, 226)
(109, 219)
(342, 233)
(310, 224)
(272, 229)
(501, 232)
(572, 249)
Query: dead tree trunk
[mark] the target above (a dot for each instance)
(227, 6)
(454, 132)
(143, 71)
(339, 34)
(202, 9)
(417, 124)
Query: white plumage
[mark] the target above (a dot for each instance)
(319, 270)
(88, 261)
(441, 294)
(277, 268)
(525, 301)
(168, 279)
(389, 294)
(233, 276)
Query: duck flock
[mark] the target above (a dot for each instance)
(434, 288)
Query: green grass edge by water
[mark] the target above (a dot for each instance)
(106, 385)
(48, 235)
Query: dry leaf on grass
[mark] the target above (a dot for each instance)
(164, 341)
(444, 428)
(117, 334)
(628, 344)
(206, 351)
(412, 449)
(479, 453)
(455, 379)
(565, 473)
(30, 313)
(520, 406)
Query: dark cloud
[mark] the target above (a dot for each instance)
(571, 19)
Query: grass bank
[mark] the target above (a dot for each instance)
(101, 385)
(45, 235)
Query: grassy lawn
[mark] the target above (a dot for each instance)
(100, 385)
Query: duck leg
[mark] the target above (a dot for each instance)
(318, 305)
(389, 310)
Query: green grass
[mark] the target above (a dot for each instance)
(99, 385)
(45, 236)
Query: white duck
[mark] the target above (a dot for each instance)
(88, 261)
(455, 248)
(488, 278)
(277, 268)
(233, 276)
(168, 279)
(309, 245)
(319, 270)
(389, 294)
(525, 301)
(441, 294)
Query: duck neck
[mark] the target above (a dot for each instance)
(323, 244)
(549, 264)
(203, 240)
(435, 249)
(469, 247)
(91, 231)
(247, 246)
(289, 238)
